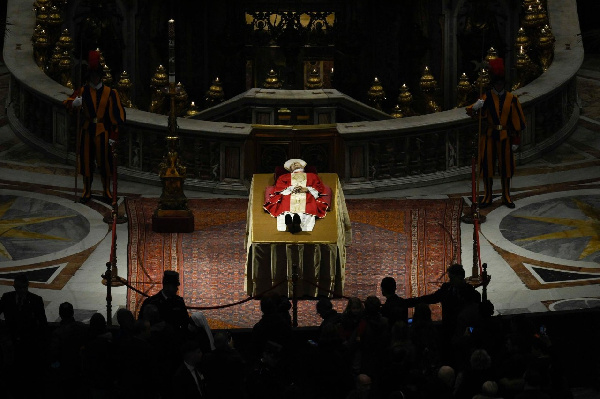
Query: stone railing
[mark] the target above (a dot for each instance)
(378, 155)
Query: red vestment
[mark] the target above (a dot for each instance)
(279, 203)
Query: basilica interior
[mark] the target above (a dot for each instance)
(371, 91)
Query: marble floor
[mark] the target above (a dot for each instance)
(542, 256)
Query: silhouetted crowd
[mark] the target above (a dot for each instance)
(370, 350)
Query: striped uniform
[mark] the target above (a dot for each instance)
(103, 113)
(505, 119)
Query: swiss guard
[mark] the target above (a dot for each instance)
(102, 113)
(505, 121)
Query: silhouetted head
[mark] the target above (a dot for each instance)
(388, 286)
(66, 311)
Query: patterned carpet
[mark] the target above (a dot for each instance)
(410, 240)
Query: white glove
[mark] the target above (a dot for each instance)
(111, 141)
(478, 105)
(515, 147)
(77, 102)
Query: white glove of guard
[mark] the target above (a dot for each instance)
(478, 105)
(77, 102)
(515, 147)
(111, 141)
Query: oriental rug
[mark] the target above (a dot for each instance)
(411, 240)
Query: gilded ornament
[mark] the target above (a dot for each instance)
(397, 112)
(463, 89)
(522, 40)
(314, 81)
(66, 67)
(215, 94)
(491, 54)
(272, 81)
(107, 77)
(376, 94)
(124, 88)
(65, 41)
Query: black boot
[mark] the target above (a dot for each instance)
(506, 200)
(87, 190)
(488, 183)
(106, 195)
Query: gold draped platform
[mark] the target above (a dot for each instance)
(318, 256)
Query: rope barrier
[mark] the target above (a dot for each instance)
(207, 307)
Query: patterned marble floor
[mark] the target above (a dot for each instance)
(542, 256)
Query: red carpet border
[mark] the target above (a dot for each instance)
(410, 240)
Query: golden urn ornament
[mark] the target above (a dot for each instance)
(54, 63)
(397, 112)
(314, 81)
(107, 77)
(428, 83)
(181, 100)
(530, 19)
(483, 81)
(65, 41)
(272, 81)
(463, 89)
(124, 89)
(40, 48)
(192, 110)
(215, 94)
(491, 54)
(405, 100)
(525, 70)
(376, 94)
(66, 67)
(41, 17)
(522, 40)
(546, 47)
(158, 83)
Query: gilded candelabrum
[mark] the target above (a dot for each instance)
(405, 100)
(546, 48)
(172, 173)
(428, 86)
(463, 90)
(107, 77)
(215, 94)
(376, 94)
(124, 89)
(66, 67)
(158, 83)
(40, 49)
(314, 82)
(272, 81)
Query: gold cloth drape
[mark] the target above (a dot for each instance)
(318, 255)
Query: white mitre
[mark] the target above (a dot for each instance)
(288, 164)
